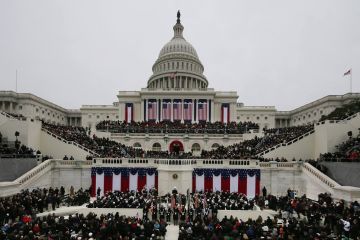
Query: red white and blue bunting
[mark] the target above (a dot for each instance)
(129, 112)
(225, 113)
(246, 181)
(110, 179)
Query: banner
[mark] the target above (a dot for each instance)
(225, 113)
(122, 179)
(129, 112)
(246, 181)
(202, 110)
(152, 110)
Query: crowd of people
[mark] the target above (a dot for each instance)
(246, 149)
(343, 112)
(298, 218)
(176, 127)
(15, 149)
(195, 213)
(249, 148)
(17, 116)
(348, 151)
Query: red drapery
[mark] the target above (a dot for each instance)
(242, 185)
(124, 183)
(208, 184)
(107, 184)
(93, 185)
(156, 182)
(257, 186)
(225, 184)
(141, 182)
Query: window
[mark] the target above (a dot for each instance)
(265, 118)
(257, 118)
(20, 107)
(195, 147)
(38, 110)
(97, 116)
(107, 116)
(117, 116)
(215, 146)
(137, 145)
(156, 147)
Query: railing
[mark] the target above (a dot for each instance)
(9, 188)
(70, 142)
(287, 143)
(197, 162)
(41, 168)
(319, 175)
(274, 164)
(20, 118)
(338, 121)
(159, 134)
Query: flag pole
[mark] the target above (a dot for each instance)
(16, 80)
(351, 80)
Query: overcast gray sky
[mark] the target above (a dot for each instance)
(281, 53)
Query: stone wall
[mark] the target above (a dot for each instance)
(12, 168)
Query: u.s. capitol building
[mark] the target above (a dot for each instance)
(176, 91)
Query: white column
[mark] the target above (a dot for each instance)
(161, 117)
(146, 110)
(208, 108)
(182, 110)
(212, 111)
(10, 107)
(172, 110)
(192, 112)
(157, 110)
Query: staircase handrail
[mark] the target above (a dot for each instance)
(340, 120)
(70, 142)
(319, 175)
(286, 143)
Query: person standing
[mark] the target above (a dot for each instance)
(264, 191)
(98, 192)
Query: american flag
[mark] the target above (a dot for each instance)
(187, 110)
(172, 75)
(202, 110)
(246, 181)
(166, 110)
(152, 110)
(110, 179)
(177, 109)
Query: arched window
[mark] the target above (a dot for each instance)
(137, 145)
(215, 146)
(156, 147)
(195, 147)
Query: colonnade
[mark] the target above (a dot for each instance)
(177, 82)
(193, 104)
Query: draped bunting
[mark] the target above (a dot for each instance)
(122, 179)
(246, 181)
(225, 113)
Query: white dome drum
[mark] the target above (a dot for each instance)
(178, 65)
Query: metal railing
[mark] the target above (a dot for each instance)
(70, 142)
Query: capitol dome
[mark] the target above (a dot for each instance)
(178, 65)
(179, 45)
